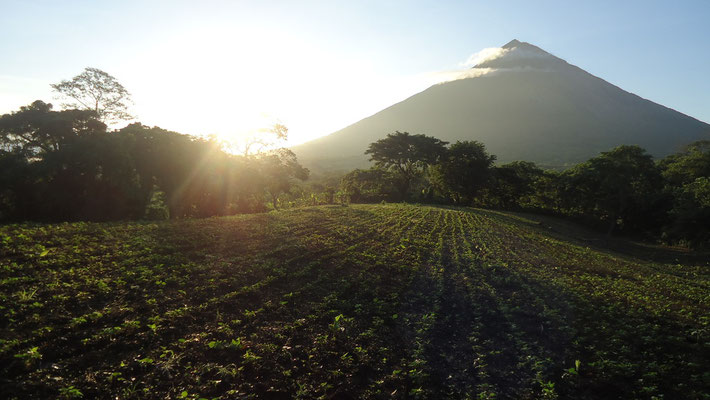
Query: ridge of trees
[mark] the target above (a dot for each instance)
(65, 166)
(622, 189)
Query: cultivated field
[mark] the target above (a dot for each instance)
(381, 301)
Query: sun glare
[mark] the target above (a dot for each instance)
(230, 82)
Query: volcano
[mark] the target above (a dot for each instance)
(523, 103)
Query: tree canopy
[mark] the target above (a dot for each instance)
(369, 185)
(464, 170)
(406, 155)
(690, 163)
(64, 165)
(517, 184)
(279, 168)
(97, 91)
(687, 176)
(37, 129)
(619, 185)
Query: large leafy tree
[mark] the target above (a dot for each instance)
(97, 91)
(93, 178)
(464, 170)
(36, 129)
(520, 184)
(687, 175)
(620, 185)
(62, 165)
(690, 215)
(406, 155)
(687, 165)
(278, 169)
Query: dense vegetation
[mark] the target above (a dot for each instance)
(66, 166)
(361, 301)
(623, 189)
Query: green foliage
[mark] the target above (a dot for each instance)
(548, 391)
(36, 130)
(687, 174)
(405, 155)
(157, 208)
(464, 170)
(621, 187)
(279, 168)
(690, 214)
(369, 186)
(687, 165)
(63, 166)
(70, 392)
(521, 185)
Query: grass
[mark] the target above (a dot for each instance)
(367, 301)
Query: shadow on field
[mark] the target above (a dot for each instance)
(539, 330)
(329, 301)
(498, 329)
(583, 236)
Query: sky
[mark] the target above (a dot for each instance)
(229, 68)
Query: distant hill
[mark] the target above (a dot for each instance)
(524, 104)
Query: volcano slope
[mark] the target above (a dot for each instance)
(525, 104)
(367, 301)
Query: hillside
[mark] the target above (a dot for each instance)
(366, 301)
(525, 104)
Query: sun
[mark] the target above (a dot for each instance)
(232, 81)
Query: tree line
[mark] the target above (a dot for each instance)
(622, 189)
(67, 165)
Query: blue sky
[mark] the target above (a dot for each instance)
(225, 67)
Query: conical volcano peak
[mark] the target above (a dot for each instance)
(517, 54)
(512, 43)
(524, 46)
(515, 43)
